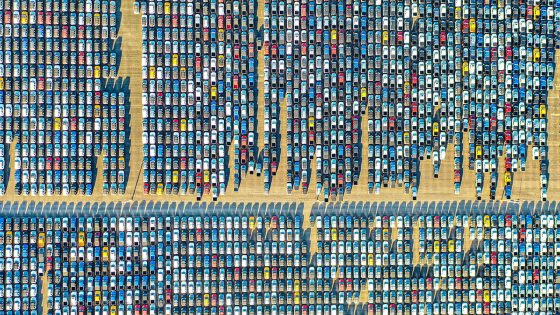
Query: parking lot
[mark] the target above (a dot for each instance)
(339, 255)
(525, 184)
(399, 234)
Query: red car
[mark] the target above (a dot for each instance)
(168, 296)
(457, 176)
(522, 234)
(334, 50)
(341, 285)
(243, 156)
(507, 135)
(236, 52)
(466, 28)
(228, 22)
(251, 50)
(508, 220)
(81, 32)
(414, 107)
(274, 167)
(400, 37)
(319, 36)
(341, 78)
(437, 221)
(7, 17)
(198, 179)
(65, 31)
(509, 52)
(494, 54)
(442, 37)
(49, 163)
(508, 164)
(536, 276)
(235, 82)
(493, 258)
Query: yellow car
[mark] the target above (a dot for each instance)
(24, 17)
(183, 124)
(472, 25)
(458, 13)
(97, 297)
(113, 310)
(57, 123)
(97, 72)
(536, 12)
(122, 162)
(435, 129)
(160, 189)
(451, 246)
(175, 60)
(41, 240)
(437, 247)
(206, 176)
(507, 178)
(1, 83)
(252, 222)
(105, 253)
(334, 234)
(214, 93)
(364, 94)
(536, 54)
(334, 36)
(406, 138)
(385, 37)
(167, 8)
(542, 110)
(152, 72)
(97, 110)
(175, 176)
(465, 68)
(478, 151)
(81, 239)
(487, 221)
